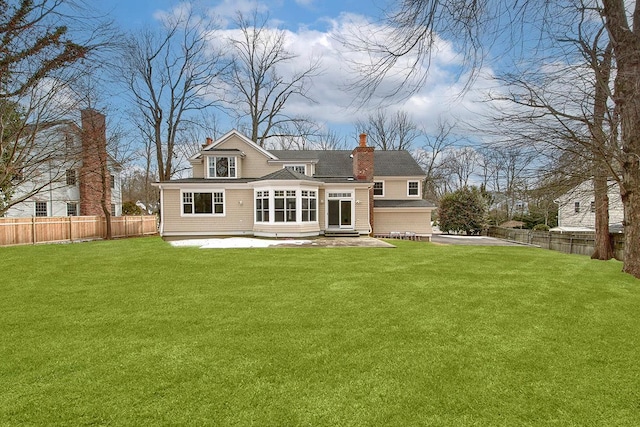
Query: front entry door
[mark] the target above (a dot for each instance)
(340, 214)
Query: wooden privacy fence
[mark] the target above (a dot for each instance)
(582, 243)
(32, 230)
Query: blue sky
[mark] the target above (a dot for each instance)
(312, 27)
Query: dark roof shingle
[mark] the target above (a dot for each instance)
(338, 163)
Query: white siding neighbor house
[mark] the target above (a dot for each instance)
(577, 211)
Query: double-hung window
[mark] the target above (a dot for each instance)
(41, 209)
(284, 205)
(262, 206)
(309, 206)
(72, 209)
(413, 188)
(222, 167)
(71, 177)
(378, 188)
(297, 168)
(203, 203)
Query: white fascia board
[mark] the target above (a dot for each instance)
(246, 140)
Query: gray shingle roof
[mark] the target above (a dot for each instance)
(286, 175)
(335, 163)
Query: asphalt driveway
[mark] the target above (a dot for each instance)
(453, 239)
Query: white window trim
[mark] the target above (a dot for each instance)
(272, 206)
(383, 187)
(419, 188)
(204, 215)
(208, 167)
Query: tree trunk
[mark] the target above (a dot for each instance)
(631, 203)
(603, 248)
(626, 46)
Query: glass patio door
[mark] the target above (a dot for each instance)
(340, 213)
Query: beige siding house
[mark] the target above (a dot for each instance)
(238, 188)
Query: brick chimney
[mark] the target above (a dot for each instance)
(94, 164)
(208, 142)
(363, 169)
(363, 160)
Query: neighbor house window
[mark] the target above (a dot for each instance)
(413, 188)
(309, 206)
(72, 209)
(113, 209)
(113, 181)
(297, 168)
(576, 207)
(378, 188)
(69, 143)
(222, 167)
(262, 206)
(41, 209)
(71, 177)
(203, 203)
(593, 206)
(284, 205)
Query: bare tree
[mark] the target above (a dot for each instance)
(431, 156)
(461, 164)
(258, 80)
(331, 140)
(415, 24)
(395, 132)
(576, 115)
(40, 55)
(171, 75)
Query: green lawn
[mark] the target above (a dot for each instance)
(136, 332)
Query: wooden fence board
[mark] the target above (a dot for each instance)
(32, 230)
(582, 243)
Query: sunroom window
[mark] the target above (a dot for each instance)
(262, 206)
(222, 167)
(309, 208)
(289, 206)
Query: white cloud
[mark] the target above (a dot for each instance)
(442, 96)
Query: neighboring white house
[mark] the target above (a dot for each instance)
(70, 184)
(577, 208)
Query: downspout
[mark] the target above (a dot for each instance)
(369, 189)
(50, 191)
(161, 210)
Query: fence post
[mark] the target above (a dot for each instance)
(33, 230)
(571, 244)
(70, 230)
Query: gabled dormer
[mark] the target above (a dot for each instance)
(222, 164)
(233, 156)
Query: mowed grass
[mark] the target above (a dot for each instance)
(136, 332)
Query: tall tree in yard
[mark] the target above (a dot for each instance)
(260, 88)
(416, 25)
(39, 58)
(172, 76)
